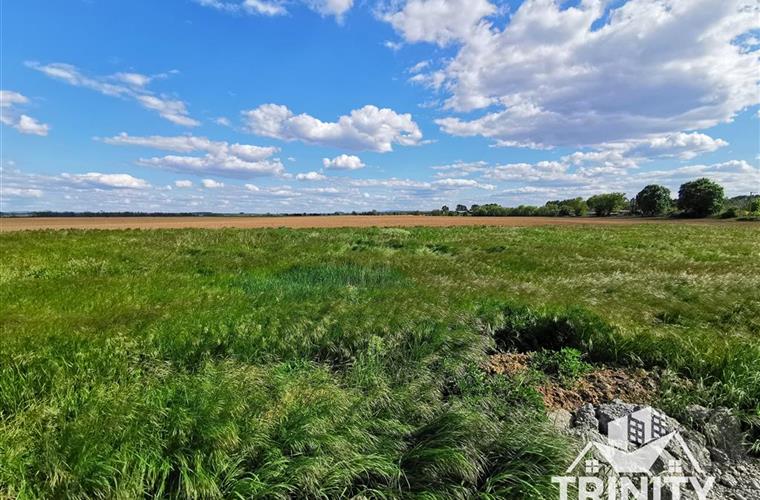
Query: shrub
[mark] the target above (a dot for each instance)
(729, 213)
(700, 198)
(653, 200)
(605, 204)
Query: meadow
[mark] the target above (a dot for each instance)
(347, 362)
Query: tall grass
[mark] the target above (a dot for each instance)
(342, 363)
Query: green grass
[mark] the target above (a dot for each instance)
(344, 362)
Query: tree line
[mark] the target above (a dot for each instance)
(698, 198)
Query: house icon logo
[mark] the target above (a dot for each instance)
(625, 464)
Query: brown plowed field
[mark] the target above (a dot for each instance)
(27, 223)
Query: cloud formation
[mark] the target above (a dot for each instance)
(123, 85)
(212, 184)
(105, 181)
(462, 183)
(629, 154)
(336, 8)
(366, 129)
(590, 74)
(311, 176)
(438, 21)
(9, 114)
(221, 158)
(343, 162)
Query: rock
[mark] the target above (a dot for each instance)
(561, 419)
(713, 437)
(608, 412)
(697, 445)
(697, 416)
(719, 456)
(723, 431)
(585, 417)
(728, 480)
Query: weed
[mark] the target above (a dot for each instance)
(566, 364)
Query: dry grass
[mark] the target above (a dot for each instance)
(248, 222)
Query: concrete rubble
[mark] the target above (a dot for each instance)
(713, 436)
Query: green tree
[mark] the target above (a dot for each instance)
(573, 206)
(445, 209)
(653, 200)
(700, 198)
(488, 210)
(461, 208)
(551, 209)
(754, 207)
(607, 203)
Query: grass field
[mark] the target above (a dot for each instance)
(323, 363)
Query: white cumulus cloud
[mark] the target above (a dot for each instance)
(311, 176)
(212, 184)
(106, 181)
(593, 73)
(369, 128)
(683, 146)
(439, 21)
(9, 114)
(343, 162)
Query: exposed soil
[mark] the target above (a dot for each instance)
(602, 386)
(26, 223)
(507, 363)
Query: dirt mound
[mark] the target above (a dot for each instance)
(601, 386)
(507, 363)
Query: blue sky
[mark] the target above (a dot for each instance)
(325, 105)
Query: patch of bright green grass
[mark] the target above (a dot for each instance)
(344, 362)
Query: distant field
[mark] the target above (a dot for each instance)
(346, 362)
(26, 223)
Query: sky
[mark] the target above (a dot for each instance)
(292, 106)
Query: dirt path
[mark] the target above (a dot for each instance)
(27, 223)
